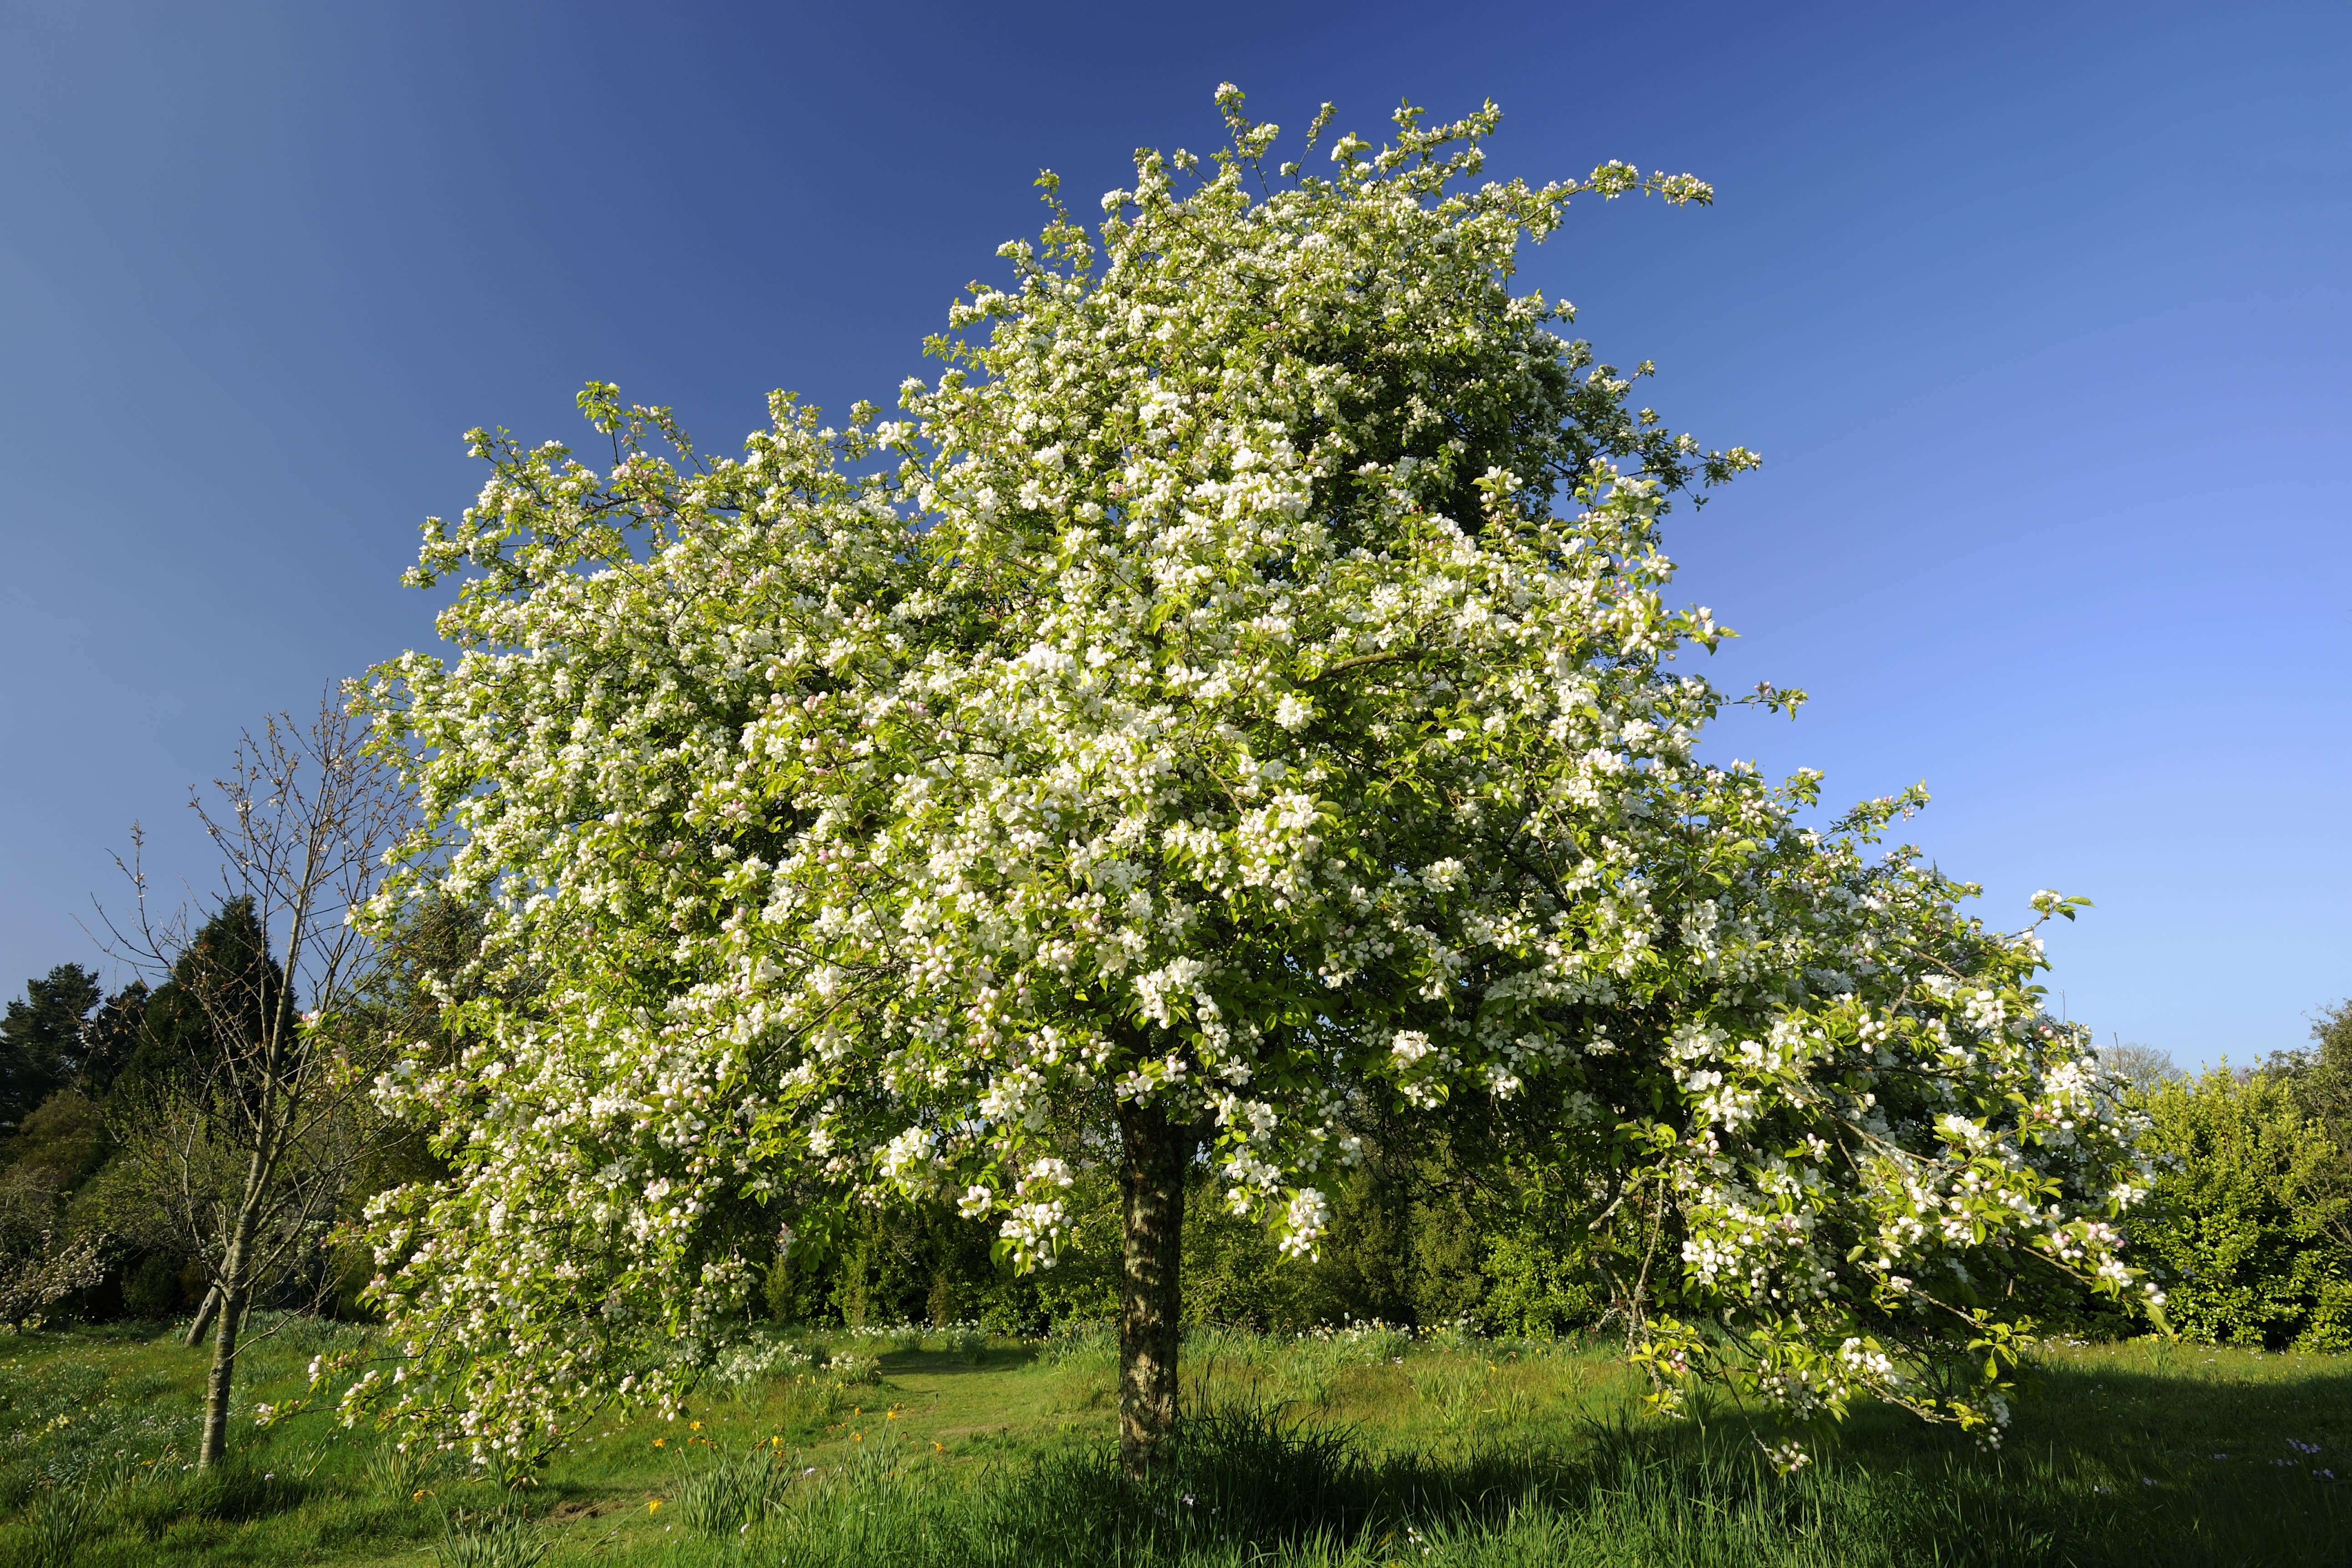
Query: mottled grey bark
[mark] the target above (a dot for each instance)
(1154, 1154)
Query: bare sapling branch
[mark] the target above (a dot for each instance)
(252, 1129)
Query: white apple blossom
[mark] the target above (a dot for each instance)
(1241, 685)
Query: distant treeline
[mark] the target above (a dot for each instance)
(80, 1072)
(2249, 1229)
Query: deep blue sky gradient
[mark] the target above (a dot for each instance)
(2038, 315)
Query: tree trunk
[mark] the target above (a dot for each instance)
(195, 1334)
(1154, 1155)
(234, 1289)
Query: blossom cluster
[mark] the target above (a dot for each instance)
(1241, 685)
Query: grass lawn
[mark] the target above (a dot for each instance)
(1360, 1448)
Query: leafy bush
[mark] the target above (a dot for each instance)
(153, 1288)
(1536, 1290)
(759, 1358)
(2246, 1225)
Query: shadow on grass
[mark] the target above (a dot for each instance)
(995, 1359)
(1245, 1485)
(231, 1493)
(2183, 1390)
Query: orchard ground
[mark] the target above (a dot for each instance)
(919, 1446)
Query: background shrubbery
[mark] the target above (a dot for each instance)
(1416, 1240)
(2249, 1229)
(77, 1067)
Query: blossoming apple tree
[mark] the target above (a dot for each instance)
(1242, 684)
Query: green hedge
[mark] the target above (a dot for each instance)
(2248, 1228)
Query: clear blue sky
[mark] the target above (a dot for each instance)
(2038, 314)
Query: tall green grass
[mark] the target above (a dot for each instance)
(1247, 1485)
(1362, 1447)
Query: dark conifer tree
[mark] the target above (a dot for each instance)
(41, 1038)
(111, 1038)
(228, 959)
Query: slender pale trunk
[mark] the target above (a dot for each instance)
(234, 1289)
(196, 1335)
(1154, 1154)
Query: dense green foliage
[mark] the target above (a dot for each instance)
(40, 1038)
(94, 1062)
(1417, 1240)
(2249, 1227)
(2250, 1232)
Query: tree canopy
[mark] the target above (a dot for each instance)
(1242, 684)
